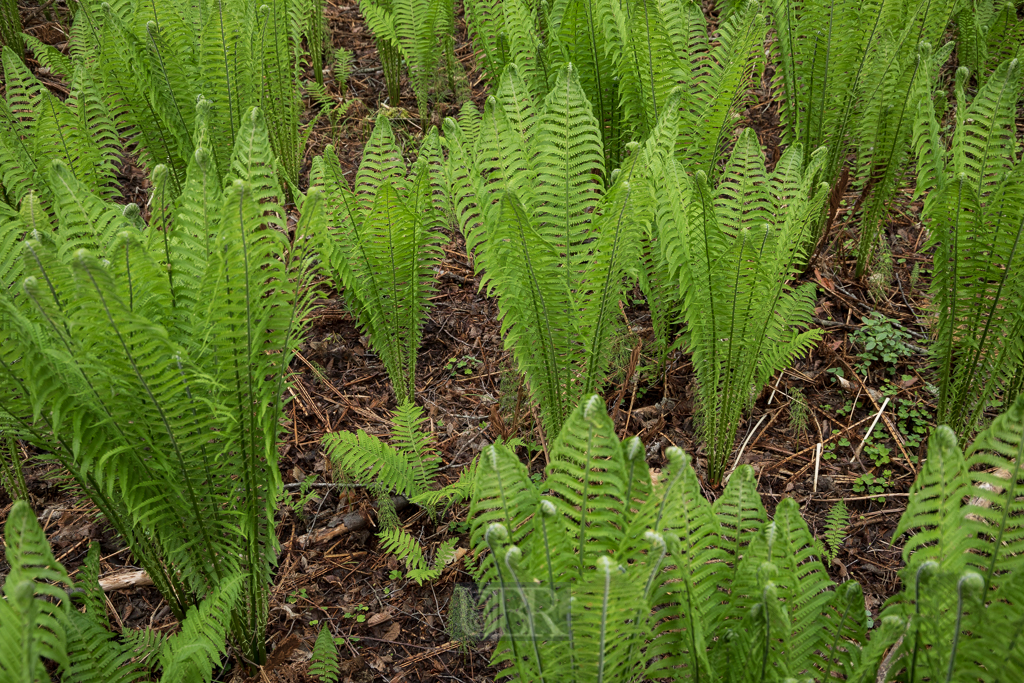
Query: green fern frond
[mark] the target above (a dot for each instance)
(279, 94)
(943, 482)
(579, 36)
(192, 653)
(33, 613)
(736, 248)
(385, 246)
(382, 163)
(93, 653)
(900, 80)
(505, 495)
(401, 544)
(740, 512)
(416, 30)
(460, 490)
(323, 663)
(996, 461)
(835, 529)
(662, 593)
(10, 26)
(585, 472)
(407, 467)
(688, 610)
(976, 212)
(550, 241)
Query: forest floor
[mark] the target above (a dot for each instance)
(393, 629)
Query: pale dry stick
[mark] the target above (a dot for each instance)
(817, 466)
(740, 454)
(860, 447)
(897, 437)
(831, 438)
(540, 433)
(846, 499)
(775, 388)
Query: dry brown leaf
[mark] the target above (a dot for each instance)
(379, 618)
(392, 633)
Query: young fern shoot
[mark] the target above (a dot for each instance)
(734, 249)
(382, 244)
(405, 467)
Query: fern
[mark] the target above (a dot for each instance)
(93, 652)
(231, 52)
(155, 375)
(416, 30)
(39, 129)
(12, 479)
(975, 210)
(279, 98)
(546, 234)
(32, 617)
(192, 653)
(384, 247)
(988, 33)
(399, 543)
(820, 50)
(10, 27)
(614, 578)
(898, 79)
(835, 529)
(315, 30)
(678, 589)
(323, 663)
(38, 624)
(960, 603)
(734, 251)
(406, 467)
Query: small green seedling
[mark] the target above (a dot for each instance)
(462, 366)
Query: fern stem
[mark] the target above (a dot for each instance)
(947, 311)
(526, 606)
(604, 565)
(917, 616)
(956, 630)
(502, 600)
(767, 632)
(585, 498)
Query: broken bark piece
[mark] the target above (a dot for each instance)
(353, 521)
(133, 578)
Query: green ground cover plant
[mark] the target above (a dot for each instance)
(145, 349)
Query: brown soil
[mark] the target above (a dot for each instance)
(402, 635)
